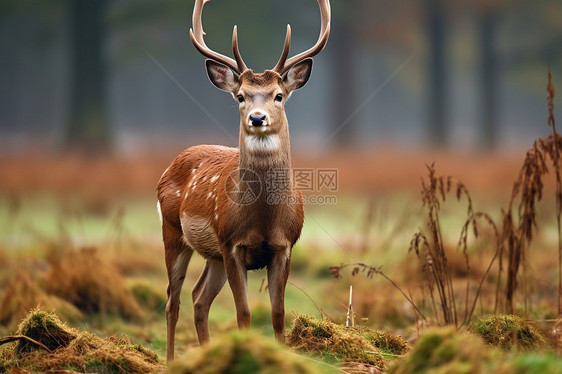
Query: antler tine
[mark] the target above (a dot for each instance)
(285, 53)
(325, 14)
(239, 62)
(196, 34)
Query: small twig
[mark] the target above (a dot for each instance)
(13, 338)
(371, 272)
(349, 322)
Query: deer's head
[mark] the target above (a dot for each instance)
(261, 96)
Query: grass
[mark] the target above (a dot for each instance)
(136, 267)
(341, 344)
(445, 350)
(243, 352)
(56, 345)
(509, 332)
(97, 261)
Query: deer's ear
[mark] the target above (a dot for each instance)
(298, 75)
(221, 76)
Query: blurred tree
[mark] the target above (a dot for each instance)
(531, 38)
(87, 128)
(343, 123)
(435, 14)
(487, 24)
(27, 33)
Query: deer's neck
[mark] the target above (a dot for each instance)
(261, 153)
(266, 159)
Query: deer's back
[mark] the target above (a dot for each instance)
(174, 183)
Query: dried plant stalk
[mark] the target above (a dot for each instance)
(432, 251)
(527, 190)
(552, 147)
(517, 235)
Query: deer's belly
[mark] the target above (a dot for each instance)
(200, 236)
(255, 256)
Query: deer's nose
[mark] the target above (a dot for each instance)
(257, 119)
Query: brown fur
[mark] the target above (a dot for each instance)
(195, 194)
(200, 212)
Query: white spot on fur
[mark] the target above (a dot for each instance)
(201, 163)
(159, 211)
(262, 143)
(213, 179)
(178, 193)
(193, 171)
(209, 195)
(216, 216)
(192, 182)
(186, 195)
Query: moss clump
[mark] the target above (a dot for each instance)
(509, 331)
(446, 351)
(74, 350)
(386, 342)
(241, 352)
(45, 328)
(323, 337)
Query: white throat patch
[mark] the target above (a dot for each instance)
(262, 143)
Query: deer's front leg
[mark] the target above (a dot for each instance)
(277, 275)
(236, 273)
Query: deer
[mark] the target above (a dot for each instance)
(215, 200)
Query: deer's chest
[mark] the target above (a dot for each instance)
(256, 224)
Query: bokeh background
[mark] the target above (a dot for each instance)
(122, 76)
(98, 96)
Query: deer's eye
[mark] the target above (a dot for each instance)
(240, 98)
(279, 97)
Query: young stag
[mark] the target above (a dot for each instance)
(219, 202)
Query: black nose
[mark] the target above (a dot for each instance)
(257, 120)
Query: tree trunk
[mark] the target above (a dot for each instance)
(87, 128)
(343, 125)
(488, 80)
(437, 72)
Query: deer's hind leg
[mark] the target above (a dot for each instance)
(177, 255)
(206, 289)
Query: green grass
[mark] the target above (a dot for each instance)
(331, 235)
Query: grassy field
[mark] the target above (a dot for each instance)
(89, 249)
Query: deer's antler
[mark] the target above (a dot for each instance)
(283, 65)
(197, 33)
